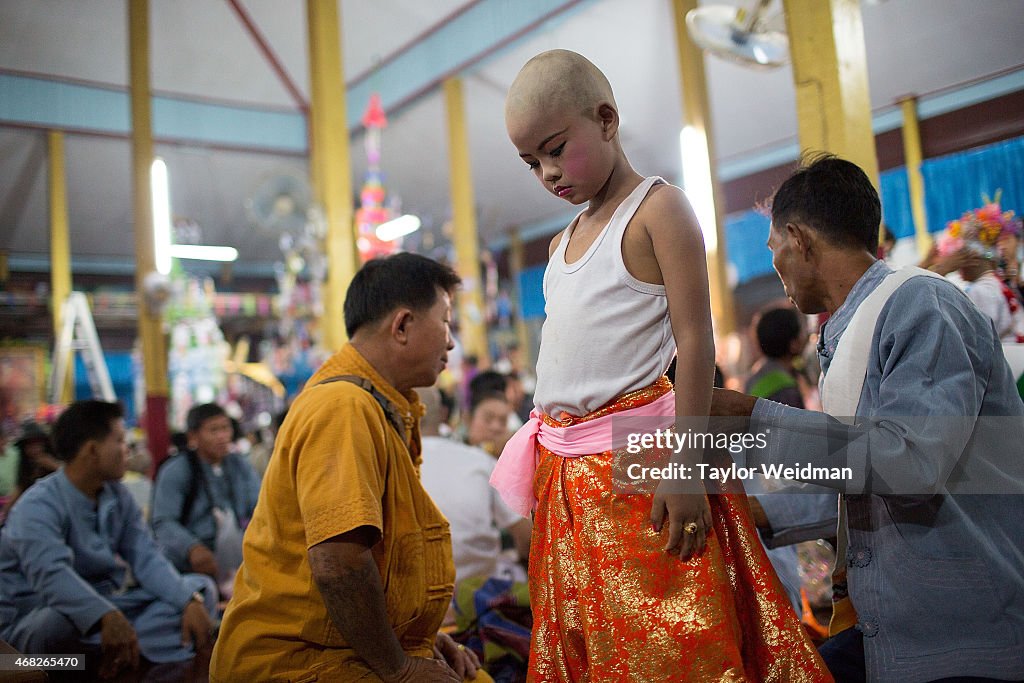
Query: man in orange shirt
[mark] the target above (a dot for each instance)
(347, 569)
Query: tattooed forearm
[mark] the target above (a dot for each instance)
(350, 584)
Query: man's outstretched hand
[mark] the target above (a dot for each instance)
(727, 403)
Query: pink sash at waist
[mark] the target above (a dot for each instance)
(513, 475)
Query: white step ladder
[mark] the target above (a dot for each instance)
(78, 333)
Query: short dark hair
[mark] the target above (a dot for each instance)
(384, 284)
(199, 414)
(776, 330)
(834, 197)
(488, 381)
(82, 422)
(179, 440)
(482, 396)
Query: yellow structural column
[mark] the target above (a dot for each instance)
(150, 322)
(826, 42)
(60, 249)
(697, 118)
(329, 162)
(467, 251)
(516, 263)
(913, 157)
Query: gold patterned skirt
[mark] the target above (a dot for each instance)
(609, 604)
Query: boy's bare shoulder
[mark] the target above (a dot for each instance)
(666, 197)
(667, 205)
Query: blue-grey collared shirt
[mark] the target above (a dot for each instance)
(935, 572)
(233, 485)
(62, 550)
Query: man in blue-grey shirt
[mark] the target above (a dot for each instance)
(931, 433)
(79, 571)
(200, 491)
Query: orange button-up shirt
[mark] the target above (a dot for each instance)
(338, 464)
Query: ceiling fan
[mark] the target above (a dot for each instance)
(747, 37)
(280, 204)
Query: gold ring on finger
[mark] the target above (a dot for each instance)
(690, 528)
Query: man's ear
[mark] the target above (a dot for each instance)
(399, 327)
(609, 119)
(88, 450)
(802, 238)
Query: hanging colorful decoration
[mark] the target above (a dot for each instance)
(372, 211)
(197, 350)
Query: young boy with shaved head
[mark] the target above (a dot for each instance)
(662, 586)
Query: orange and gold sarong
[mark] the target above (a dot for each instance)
(609, 604)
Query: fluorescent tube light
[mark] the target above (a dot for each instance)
(399, 227)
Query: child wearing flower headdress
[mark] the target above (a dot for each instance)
(978, 238)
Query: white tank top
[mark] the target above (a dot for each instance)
(606, 333)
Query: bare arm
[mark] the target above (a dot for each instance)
(678, 246)
(350, 584)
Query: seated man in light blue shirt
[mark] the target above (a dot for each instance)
(79, 571)
(923, 423)
(203, 497)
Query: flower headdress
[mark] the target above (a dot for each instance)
(980, 230)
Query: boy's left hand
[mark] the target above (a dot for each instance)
(689, 518)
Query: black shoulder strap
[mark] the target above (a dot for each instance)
(196, 470)
(390, 410)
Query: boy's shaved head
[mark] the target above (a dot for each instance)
(558, 79)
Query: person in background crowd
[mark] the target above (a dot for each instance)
(35, 458)
(488, 421)
(491, 605)
(456, 477)
(204, 497)
(1009, 266)
(490, 382)
(79, 571)
(486, 382)
(979, 240)
(781, 338)
(261, 451)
